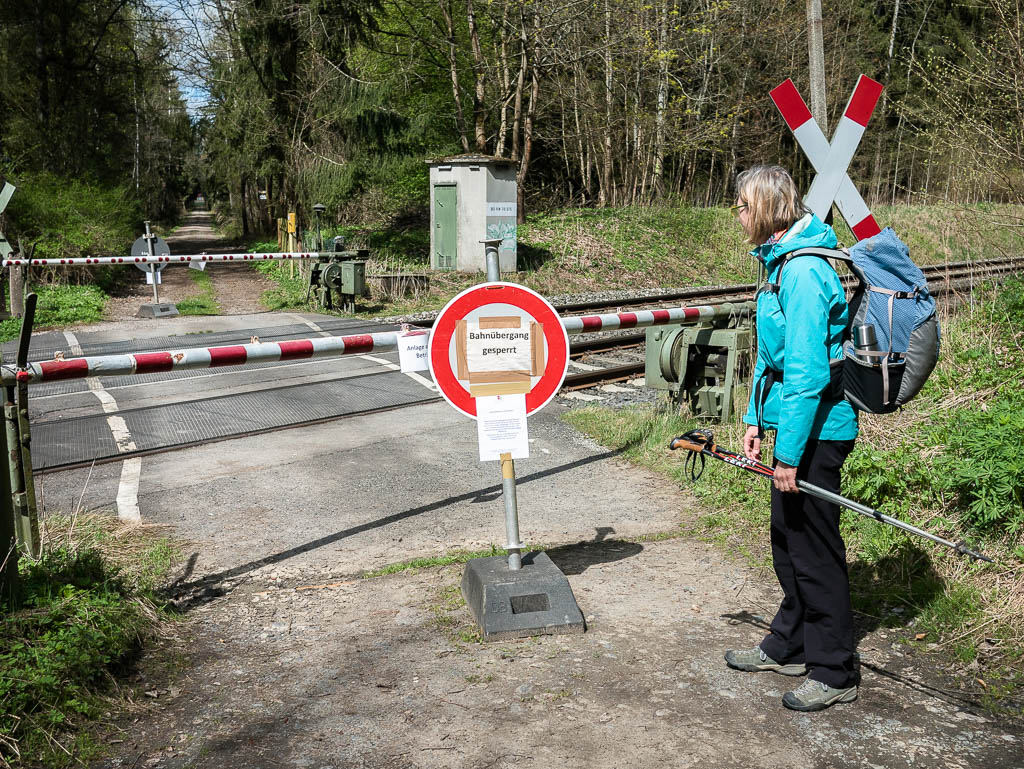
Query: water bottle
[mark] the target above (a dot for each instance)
(865, 340)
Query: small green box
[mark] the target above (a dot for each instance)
(353, 277)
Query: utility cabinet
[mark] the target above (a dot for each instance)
(472, 198)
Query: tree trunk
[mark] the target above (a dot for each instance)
(659, 122)
(531, 111)
(479, 91)
(605, 194)
(453, 66)
(816, 55)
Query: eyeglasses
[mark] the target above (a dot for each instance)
(737, 208)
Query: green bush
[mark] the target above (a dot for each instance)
(71, 217)
(983, 463)
(60, 306)
(76, 622)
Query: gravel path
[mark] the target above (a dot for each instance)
(238, 287)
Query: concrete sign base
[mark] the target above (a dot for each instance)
(533, 600)
(162, 310)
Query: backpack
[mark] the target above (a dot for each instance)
(891, 343)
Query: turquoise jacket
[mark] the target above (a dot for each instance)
(798, 330)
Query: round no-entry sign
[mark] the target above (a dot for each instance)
(494, 339)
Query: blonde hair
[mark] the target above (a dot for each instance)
(772, 200)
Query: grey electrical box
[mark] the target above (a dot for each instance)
(472, 198)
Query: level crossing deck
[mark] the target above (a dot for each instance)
(71, 419)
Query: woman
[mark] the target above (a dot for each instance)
(801, 318)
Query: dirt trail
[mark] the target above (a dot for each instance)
(238, 286)
(308, 667)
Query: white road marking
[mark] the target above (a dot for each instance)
(422, 380)
(382, 362)
(395, 367)
(309, 323)
(73, 345)
(128, 490)
(131, 469)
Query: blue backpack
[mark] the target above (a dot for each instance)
(892, 340)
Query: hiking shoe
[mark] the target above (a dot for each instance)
(754, 661)
(814, 695)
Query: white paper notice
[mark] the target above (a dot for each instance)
(501, 426)
(412, 351)
(497, 349)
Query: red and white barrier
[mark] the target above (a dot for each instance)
(831, 161)
(642, 318)
(323, 347)
(183, 258)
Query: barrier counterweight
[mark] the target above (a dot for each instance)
(322, 347)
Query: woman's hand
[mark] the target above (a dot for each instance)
(752, 444)
(785, 477)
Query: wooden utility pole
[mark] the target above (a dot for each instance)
(816, 52)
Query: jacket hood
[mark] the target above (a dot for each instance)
(807, 232)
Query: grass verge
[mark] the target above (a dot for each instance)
(87, 608)
(949, 462)
(60, 306)
(203, 303)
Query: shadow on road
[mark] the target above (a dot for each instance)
(579, 556)
(184, 596)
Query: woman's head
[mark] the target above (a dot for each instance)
(768, 202)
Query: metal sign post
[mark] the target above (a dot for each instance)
(154, 249)
(149, 236)
(499, 352)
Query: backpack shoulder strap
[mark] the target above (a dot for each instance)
(824, 253)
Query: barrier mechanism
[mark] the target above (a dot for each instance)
(703, 364)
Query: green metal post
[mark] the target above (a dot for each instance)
(8, 536)
(19, 442)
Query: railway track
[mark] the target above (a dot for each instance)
(608, 357)
(942, 279)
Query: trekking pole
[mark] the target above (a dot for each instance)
(702, 443)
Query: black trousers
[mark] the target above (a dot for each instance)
(814, 624)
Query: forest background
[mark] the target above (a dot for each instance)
(116, 110)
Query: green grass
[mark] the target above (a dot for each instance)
(290, 292)
(204, 303)
(60, 306)
(415, 564)
(86, 608)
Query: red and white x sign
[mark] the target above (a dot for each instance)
(831, 161)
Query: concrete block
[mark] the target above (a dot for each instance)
(533, 600)
(162, 310)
